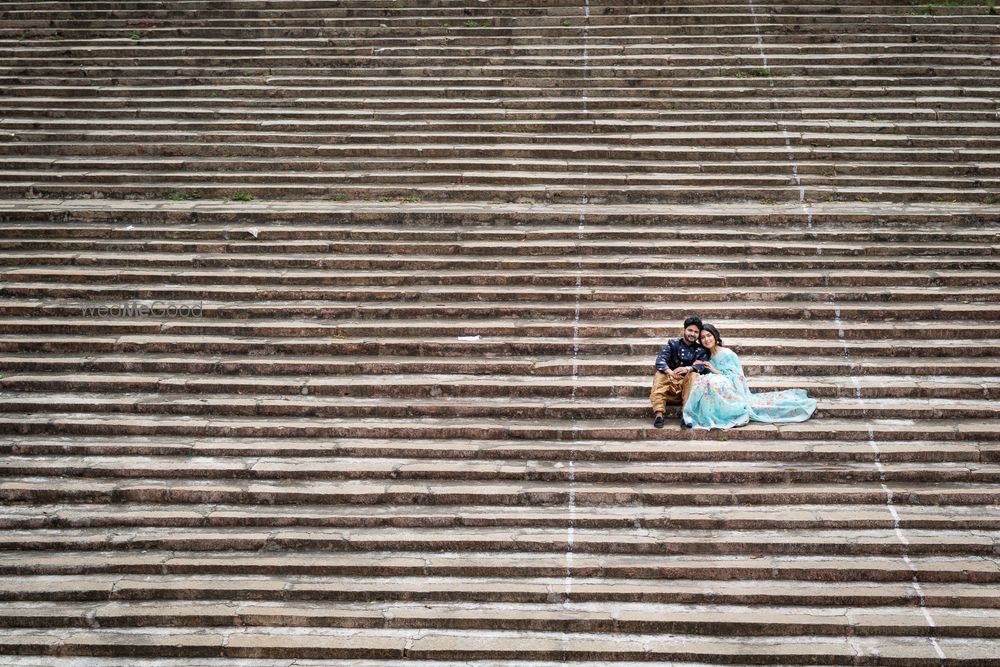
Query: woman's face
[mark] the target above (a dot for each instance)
(708, 340)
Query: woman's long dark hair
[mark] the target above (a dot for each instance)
(710, 328)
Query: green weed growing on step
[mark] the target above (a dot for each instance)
(410, 199)
(566, 23)
(754, 73)
(990, 200)
(471, 23)
(135, 35)
(183, 196)
(991, 6)
(829, 173)
(241, 195)
(384, 200)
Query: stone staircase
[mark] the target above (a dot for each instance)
(416, 260)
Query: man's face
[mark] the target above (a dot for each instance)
(691, 334)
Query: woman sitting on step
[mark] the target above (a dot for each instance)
(721, 398)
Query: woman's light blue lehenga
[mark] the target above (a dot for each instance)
(724, 400)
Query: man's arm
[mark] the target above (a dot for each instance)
(663, 359)
(667, 361)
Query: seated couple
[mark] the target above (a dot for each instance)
(708, 381)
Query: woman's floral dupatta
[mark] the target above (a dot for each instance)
(724, 399)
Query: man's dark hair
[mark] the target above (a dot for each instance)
(694, 319)
(715, 332)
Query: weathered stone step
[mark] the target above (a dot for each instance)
(691, 187)
(851, 47)
(856, 429)
(450, 355)
(689, 176)
(774, 134)
(505, 125)
(47, 490)
(48, 300)
(541, 194)
(344, 408)
(918, 383)
(619, 617)
(382, 469)
(943, 569)
(820, 88)
(719, 449)
(158, 111)
(598, 75)
(375, 647)
(451, 539)
(553, 243)
(828, 152)
(981, 309)
(216, 225)
(877, 103)
(254, 233)
(493, 330)
(113, 169)
(865, 364)
(552, 277)
(85, 516)
(295, 588)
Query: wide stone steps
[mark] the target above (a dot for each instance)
(564, 59)
(441, 470)
(559, 451)
(391, 647)
(481, 589)
(489, 407)
(923, 383)
(534, 194)
(825, 517)
(503, 428)
(41, 489)
(404, 416)
(582, 617)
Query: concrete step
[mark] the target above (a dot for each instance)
(777, 517)
(457, 645)
(581, 617)
(726, 448)
(343, 409)
(452, 539)
(707, 567)
(853, 429)
(409, 420)
(483, 590)
(349, 468)
(929, 384)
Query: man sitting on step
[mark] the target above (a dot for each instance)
(672, 382)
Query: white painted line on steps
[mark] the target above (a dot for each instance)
(576, 310)
(896, 521)
(570, 529)
(806, 209)
(571, 474)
